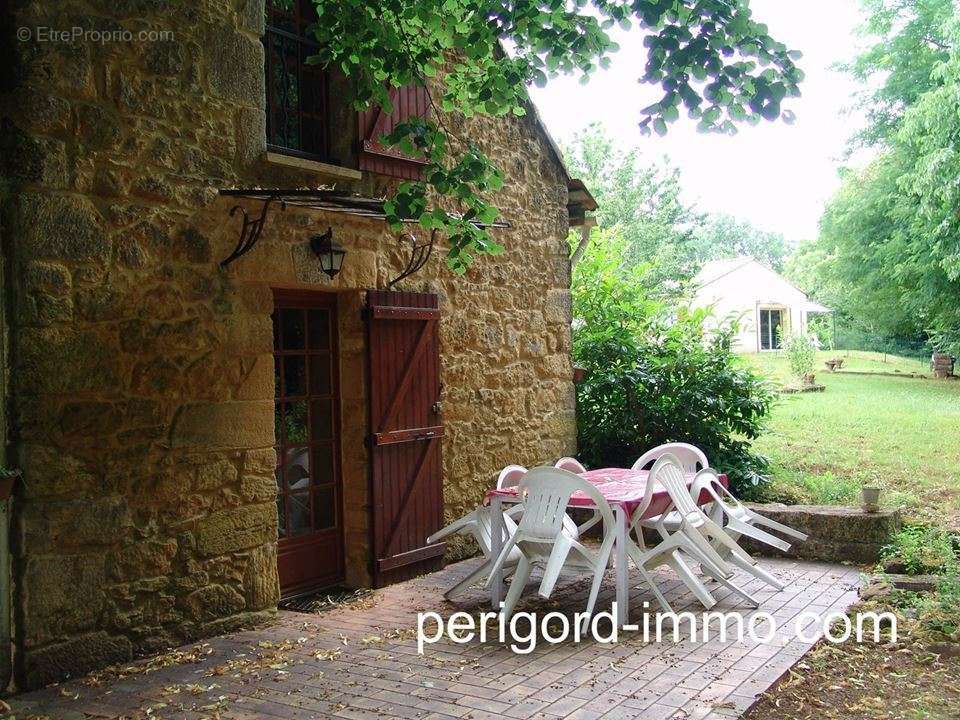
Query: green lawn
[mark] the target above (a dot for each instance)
(900, 433)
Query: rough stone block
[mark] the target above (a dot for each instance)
(227, 425)
(261, 580)
(239, 529)
(213, 602)
(52, 586)
(235, 66)
(837, 534)
(74, 657)
(61, 227)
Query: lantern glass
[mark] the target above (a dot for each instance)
(329, 252)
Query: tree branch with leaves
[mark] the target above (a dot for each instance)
(711, 59)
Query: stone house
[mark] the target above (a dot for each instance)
(171, 416)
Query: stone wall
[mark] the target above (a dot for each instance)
(837, 534)
(143, 383)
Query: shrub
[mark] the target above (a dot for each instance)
(922, 550)
(654, 375)
(801, 353)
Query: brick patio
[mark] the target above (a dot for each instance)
(360, 662)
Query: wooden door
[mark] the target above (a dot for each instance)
(307, 426)
(406, 432)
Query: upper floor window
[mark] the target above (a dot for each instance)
(297, 93)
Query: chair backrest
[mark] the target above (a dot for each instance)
(709, 480)
(483, 529)
(668, 473)
(546, 492)
(510, 476)
(690, 457)
(571, 464)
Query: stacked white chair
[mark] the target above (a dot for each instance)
(738, 521)
(478, 524)
(542, 539)
(670, 476)
(573, 465)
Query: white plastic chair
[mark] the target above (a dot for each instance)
(693, 533)
(689, 456)
(510, 477)
(570, 465)
(479, 525)
(738, 521)
(543, 541)
(573, 465)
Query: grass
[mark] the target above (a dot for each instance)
(896, 432)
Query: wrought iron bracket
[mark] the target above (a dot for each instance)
(250, 229)
(419, 254)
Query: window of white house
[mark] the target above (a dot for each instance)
(771, 320)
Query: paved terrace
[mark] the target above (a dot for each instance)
(360, 662)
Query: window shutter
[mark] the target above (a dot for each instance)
(408, 101)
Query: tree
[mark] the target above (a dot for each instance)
(642, 203)
(910, 40)
(724, 236)
(709, 57)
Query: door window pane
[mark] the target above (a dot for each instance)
(321, 420)
(320, 374)
(319, 329)
(323, 470)
(291, 322)
(294, 429)
(299, 506)
(296, 468)
(294, 375)
(326, 508)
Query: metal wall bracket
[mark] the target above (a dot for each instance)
(419, 254)
(251, 228)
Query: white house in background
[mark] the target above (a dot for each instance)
(762, 299)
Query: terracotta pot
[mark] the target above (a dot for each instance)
(871, 499)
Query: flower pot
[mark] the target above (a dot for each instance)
(871, 499)
(579, 375)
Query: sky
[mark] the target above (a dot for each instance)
(776, 176)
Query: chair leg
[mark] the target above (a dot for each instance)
(516, 587)
(558, 556)
(759, 519)
(757, 572)
(648, 578)
(691, 580)
(718, 576)
(757, 534)
(482, 571)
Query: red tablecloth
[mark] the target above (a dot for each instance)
(619, 487)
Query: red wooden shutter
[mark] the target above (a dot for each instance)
(408, 101)
(406, 474)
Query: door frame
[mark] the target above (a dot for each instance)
(313, 299)
(784, 323)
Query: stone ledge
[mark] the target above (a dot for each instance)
(837, 534)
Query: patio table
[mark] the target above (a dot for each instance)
(624, 490)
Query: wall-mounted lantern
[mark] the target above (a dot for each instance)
(330, 252)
